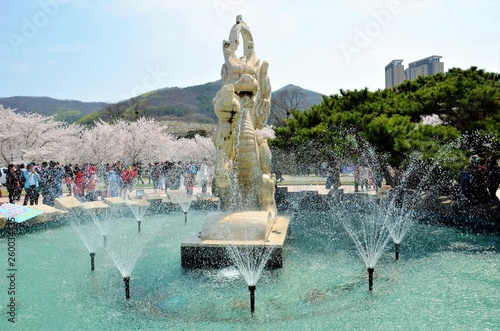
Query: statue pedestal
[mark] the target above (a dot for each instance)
(240, 226)
(207, 250)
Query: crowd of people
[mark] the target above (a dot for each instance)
(479, 181)
(81, 181)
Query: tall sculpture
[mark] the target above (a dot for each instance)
(247, 221)
(243, 169)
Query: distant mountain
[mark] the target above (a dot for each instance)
(63, 110)
(309, 99)
(187, 104)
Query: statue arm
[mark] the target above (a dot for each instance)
(263, 106)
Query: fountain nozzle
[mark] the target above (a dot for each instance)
(139, 226)
(370, 278)
(185, 217)
(397, 251)
(92, 255)
(251, 288)
(127, 286)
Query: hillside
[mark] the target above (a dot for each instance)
(174, 104)
(309, 97)
(63, 110)
(190, 104)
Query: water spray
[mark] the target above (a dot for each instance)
(251, 288)
(397, 251)
(104, 238)
(92, 255)
(127, 286)
(370, 278)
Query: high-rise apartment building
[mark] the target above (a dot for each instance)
(425, 67)
(395, 74)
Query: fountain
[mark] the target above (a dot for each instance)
(448, 279)
(124, 249)
(320, 285)
(250, 262)
(368, 229)
(139, 209)
(247, 225)
(182, 199)
(88, 237)
(245, 186)
(101, 225)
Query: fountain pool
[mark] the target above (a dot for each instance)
(446, 279)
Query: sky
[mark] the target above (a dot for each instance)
(111, 50)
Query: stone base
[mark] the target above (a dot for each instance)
(242, 226)
(49, 214)
(199, 253)
(67, 203)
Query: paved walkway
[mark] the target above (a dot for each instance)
(321, 189)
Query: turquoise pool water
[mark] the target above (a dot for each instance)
(447, 279)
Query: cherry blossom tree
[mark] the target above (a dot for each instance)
(193, 149)
(32, 137)
(102, 143)
(144, 139)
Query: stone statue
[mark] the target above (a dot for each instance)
(247, 220)
(243, 169)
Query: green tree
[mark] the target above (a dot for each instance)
(395, 121)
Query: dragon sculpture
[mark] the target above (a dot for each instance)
(242, 105)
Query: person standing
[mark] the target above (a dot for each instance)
(154, 175)
(128, 176)
(191, 177)
(357, 178)
(118, 171)
(31, 185)
(113, 182)
(493, 175)
(58, 179)
(20, 174)
(79, 185)
(204, 176)
(68, 177)
(139, 173)
(12, 182)
(91, 183)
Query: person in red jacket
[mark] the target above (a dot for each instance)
(128, 178)
(79, 185)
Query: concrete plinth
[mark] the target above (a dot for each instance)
(199, 253)
(49, 214)
(67, 203)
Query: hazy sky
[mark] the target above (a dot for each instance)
(109, 50)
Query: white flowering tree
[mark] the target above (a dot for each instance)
(193, 149)
(102, 143)
(32, 137)
(144, 140)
